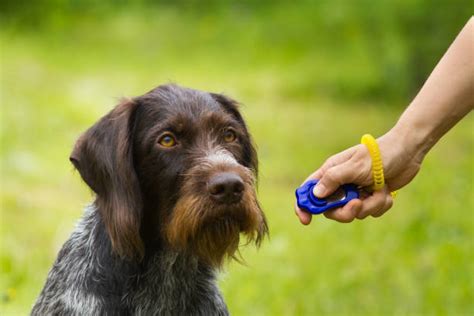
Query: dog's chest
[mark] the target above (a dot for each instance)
(174, 285)
(86, 281)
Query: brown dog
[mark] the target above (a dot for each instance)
(174, 172)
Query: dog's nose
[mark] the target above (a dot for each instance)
(226, 187)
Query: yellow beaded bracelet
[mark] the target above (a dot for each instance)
(377, 165)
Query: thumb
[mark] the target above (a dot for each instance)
(334, 177)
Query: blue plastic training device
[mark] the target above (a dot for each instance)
(309, 202)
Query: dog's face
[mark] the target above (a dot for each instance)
(174, 167)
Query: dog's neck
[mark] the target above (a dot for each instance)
(170, 281)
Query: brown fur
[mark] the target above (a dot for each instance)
(103, 157)
(212, 231)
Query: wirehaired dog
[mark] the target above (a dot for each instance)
(174, 174)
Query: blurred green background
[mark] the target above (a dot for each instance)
(313, 76)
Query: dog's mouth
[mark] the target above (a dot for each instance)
(235, 213)
(207, 220)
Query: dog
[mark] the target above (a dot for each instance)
(174, 176)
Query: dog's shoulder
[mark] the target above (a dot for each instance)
(82, 281)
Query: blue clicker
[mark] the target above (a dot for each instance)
(309, 202)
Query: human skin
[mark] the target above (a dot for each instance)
(445, 98)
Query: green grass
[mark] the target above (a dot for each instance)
(416, 259)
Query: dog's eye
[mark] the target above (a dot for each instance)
(167, 140)
(229, 136)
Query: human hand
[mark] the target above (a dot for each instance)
(354, 165)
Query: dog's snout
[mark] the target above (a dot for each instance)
(226, 187)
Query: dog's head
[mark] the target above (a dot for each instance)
(176, 168)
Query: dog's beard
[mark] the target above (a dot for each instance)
(211, 231)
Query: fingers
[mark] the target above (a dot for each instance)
(377, 203)
(374, 205)
(334, 177)
(350, 166)
(347, 213)
(305, 217)
(388, 205)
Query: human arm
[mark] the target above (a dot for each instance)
(445, 98)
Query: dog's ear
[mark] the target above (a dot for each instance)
(103, 155)
(232, 107)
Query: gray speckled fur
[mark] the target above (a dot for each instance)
(87, 280)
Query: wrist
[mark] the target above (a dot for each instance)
(399, 147)
(416, 135)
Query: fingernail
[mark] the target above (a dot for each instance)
(319, 190)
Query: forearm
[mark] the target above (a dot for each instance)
(445, 98)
